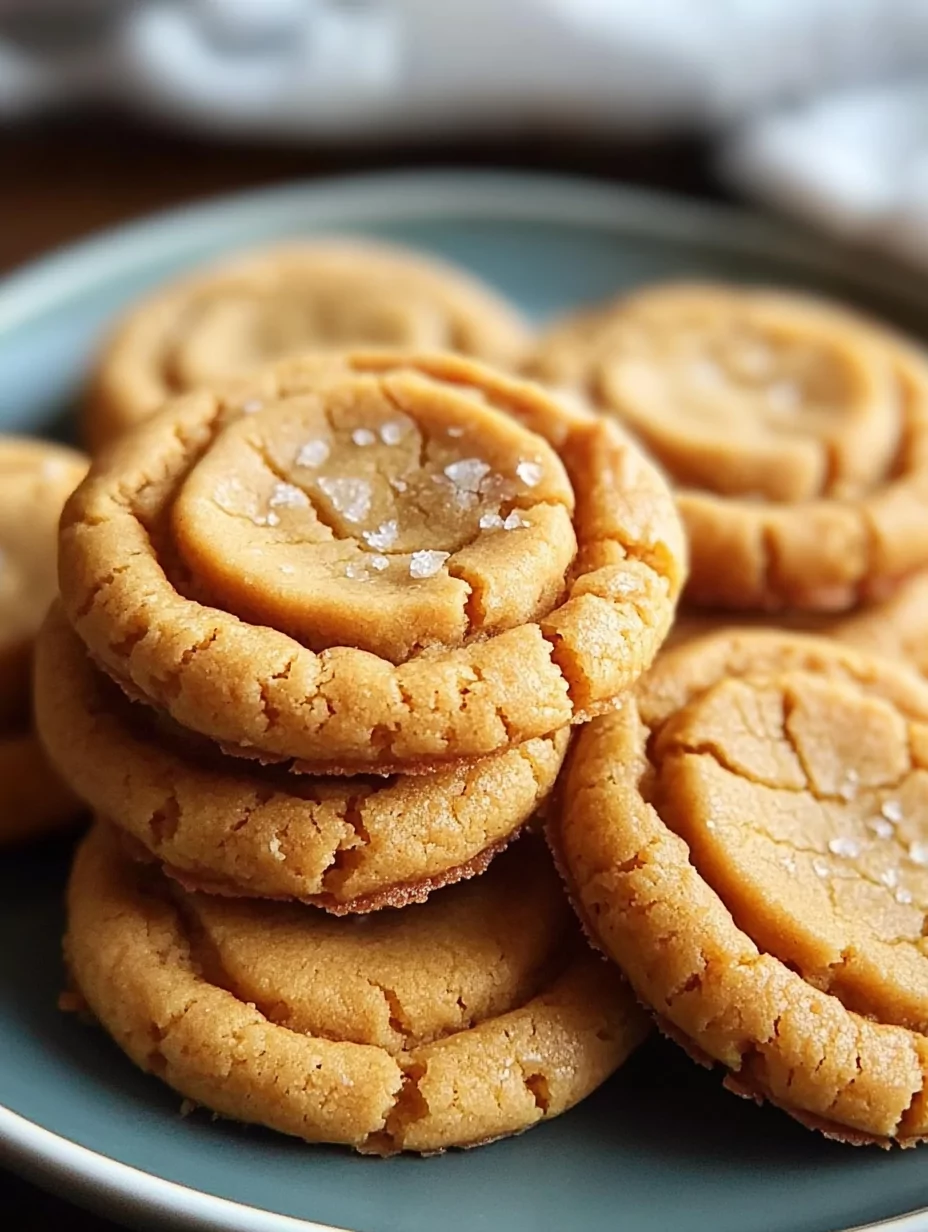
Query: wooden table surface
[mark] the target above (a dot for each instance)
(62, 180)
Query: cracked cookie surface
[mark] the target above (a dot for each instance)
(271, 566)
(748, 838)
(795, 432)
(265, 306)
(230, 827)
(467, 1018)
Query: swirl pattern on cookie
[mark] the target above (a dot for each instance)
(748, 838)
(347, 845)
(465, 1019)
(795, 431)
(373, 562)
(269, 305)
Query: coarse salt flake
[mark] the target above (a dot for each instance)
(467, 473)
(313, 453)
(918, 853)
(288, 496)
(350, 497)
(391, 433)
(384, 537)
(892, 811)
(379, 562)
(881, 827)
(427, 563)
(491, 521)
(363, 436)
(845, 846)
(531, 473)
(275, 849)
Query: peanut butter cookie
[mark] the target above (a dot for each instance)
(465, 1019)
(268, 305)
(219, 825)
(35, 479)
(373, 562)
(795, 431)
(898, 626)
(748, 838)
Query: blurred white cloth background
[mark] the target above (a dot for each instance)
(819, 107)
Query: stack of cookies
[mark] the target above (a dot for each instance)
(748, 835)
(323, 634)
(326, 627)
(35, 479)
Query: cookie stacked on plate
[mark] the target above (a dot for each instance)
(323, 634)
(35, 479)
(748, 835)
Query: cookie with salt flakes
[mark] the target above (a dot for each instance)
(795, 432)
(373, 562)
(748, 838)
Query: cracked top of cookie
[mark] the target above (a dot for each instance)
(379, 512)
(772, 790)
(385, 561)
(268, 305)
(796, 431)
(36, 477)
(466, 1018)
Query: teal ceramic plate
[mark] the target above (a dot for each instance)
(661, 1148)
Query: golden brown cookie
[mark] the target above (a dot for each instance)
(267, 305)
(33, 800)
(795, 431)
(373, 562)
(693, 622)
(748, 838)
(347, 845)
(36, 477)
(465, 1019)
(898, 626)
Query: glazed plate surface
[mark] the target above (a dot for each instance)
(660, 1147)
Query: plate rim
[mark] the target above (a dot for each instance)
(56, 1163)
(32, 288)
(408, 195)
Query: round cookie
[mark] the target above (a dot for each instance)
(36, 477)
(373, 562)
(748, 838)
(33, 800)
(269, 305)
(795, 431)
(347, 845)
(694, 622)
(898, 626)
(452, 1023)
